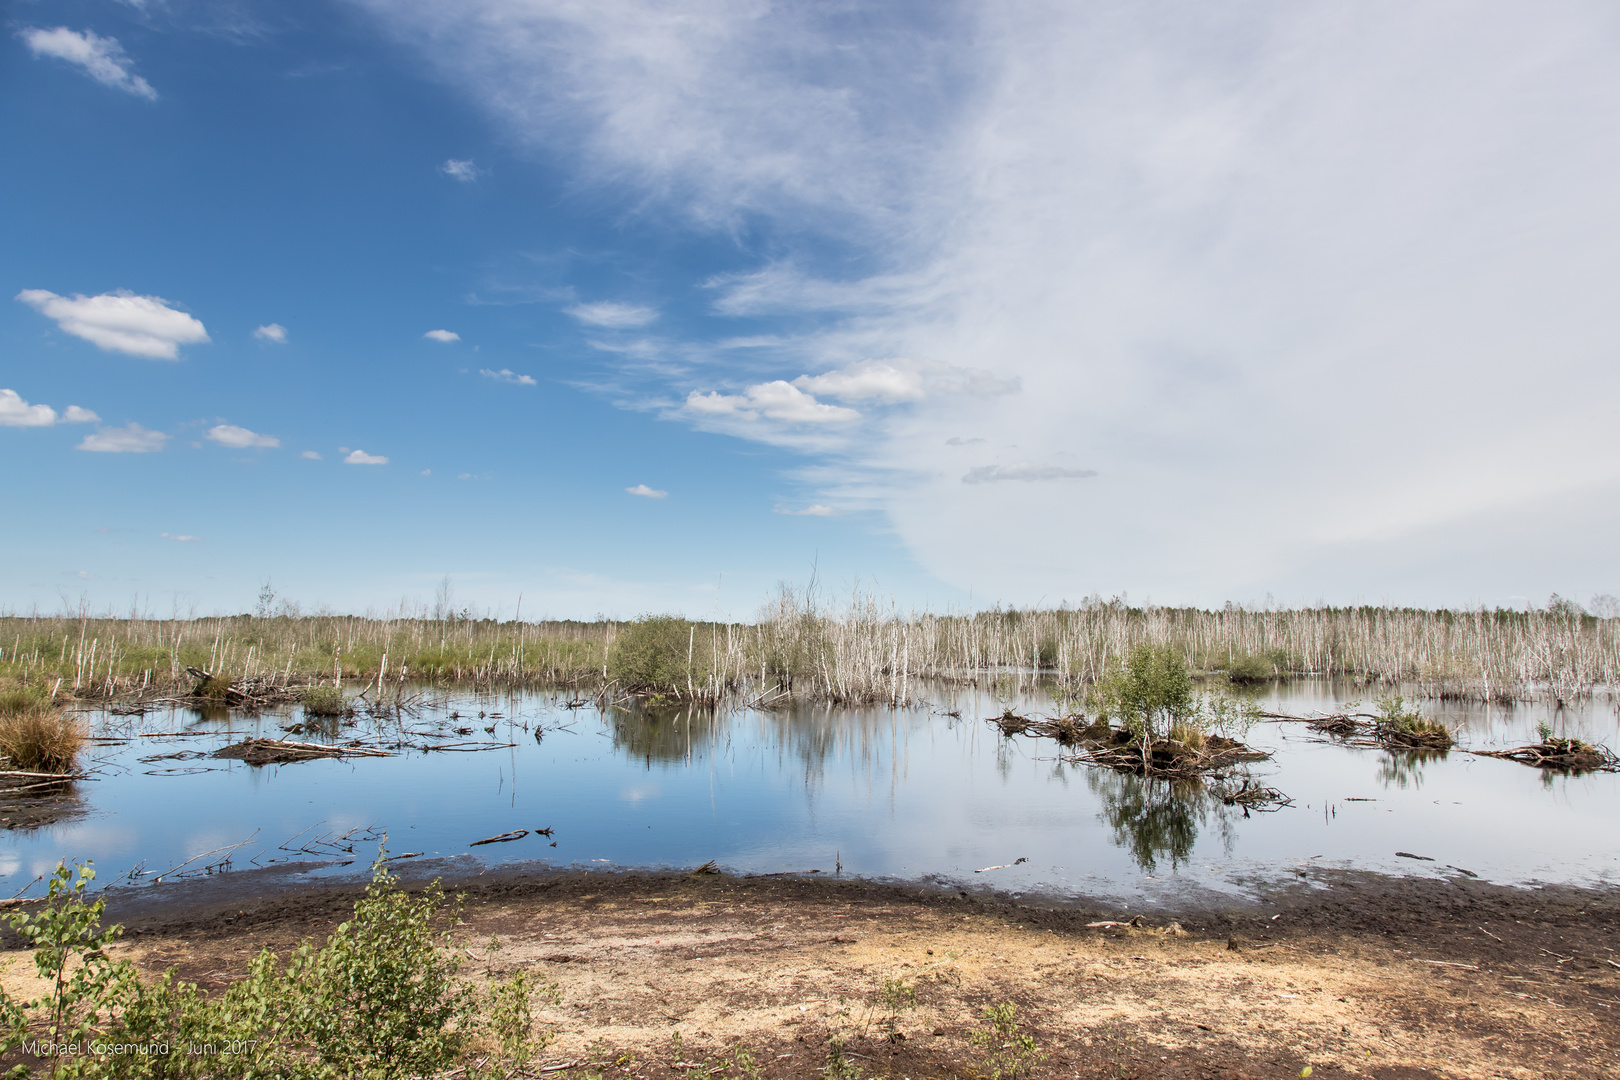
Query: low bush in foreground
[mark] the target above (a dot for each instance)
(381, 999)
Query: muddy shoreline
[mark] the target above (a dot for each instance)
(1354, 974)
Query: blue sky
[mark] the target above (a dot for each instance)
(649, 306)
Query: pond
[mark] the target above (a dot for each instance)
(912, 793)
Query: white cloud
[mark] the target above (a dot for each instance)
(180, 538)
(990, 474)
(240, 438)
(506, 375)
(646, 492)
(129, 439)
(272, 332)
(15, 412)
(613, 316)
(360, 457)
(892, 382)
(777, 401)
(310, 455)
(120, 321)
(101, 58)
(73, 414)
(464, 171)
(445, 336)
(1232, 254)
(813, 510)
(957, 440)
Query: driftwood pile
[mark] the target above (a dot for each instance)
(279, 752)
(1366, 729)
(1116, 748)
(1570, 755)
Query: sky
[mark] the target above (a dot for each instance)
(628, 306)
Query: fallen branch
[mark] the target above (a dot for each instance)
(503, 838)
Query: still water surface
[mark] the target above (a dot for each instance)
(911, 794)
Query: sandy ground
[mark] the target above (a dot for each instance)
(1351, 975)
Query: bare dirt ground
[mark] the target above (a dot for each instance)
(1352, 975)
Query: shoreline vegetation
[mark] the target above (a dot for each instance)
(802, 648)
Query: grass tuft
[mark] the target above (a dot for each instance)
(37, 735)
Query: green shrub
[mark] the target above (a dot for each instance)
(324, 701)
(1150, 693)
(652, 654)
(1009, 1054)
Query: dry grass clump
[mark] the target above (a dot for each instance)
(36, 735)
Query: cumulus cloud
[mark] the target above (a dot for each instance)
(507, 375)
(310, 455)
(646, 492)
(990, 474)
(129, 439)
(102, 58)
(73, 414)
(240, 438)
(360, 457)
(120, 321)
(777, 401)
(15, 412)
(464, 171)
(272, 332)
(613, 316)
(813, 510)
(445, 336)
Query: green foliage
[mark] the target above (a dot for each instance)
(839, 1066)
(324, 701)
(1544, 730)
(897, 995)
(382, 998)
(68, 942)
(1009, 1054)
(652, 654)
(1397, 723)
(1152, 692)
(1258, 667)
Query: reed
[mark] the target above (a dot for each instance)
(801, 644)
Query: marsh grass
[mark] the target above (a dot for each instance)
(324, 701)
(38, 735)
(803, 645)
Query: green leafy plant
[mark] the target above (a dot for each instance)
(69, 945)
(324, 701)
(897, 995)
(839, 1066)
(1009, 1054)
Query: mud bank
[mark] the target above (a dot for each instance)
(1352, 974)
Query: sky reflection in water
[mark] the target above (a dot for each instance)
(910, 793)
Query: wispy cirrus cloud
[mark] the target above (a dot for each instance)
(240, 438)
(181, 538)
(813, 510)
(101, 58)
(507, 375)
(613, 316)
(129, 439)
(120, 321)
(1176, 229)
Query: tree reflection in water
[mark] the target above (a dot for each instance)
(1404, 768)
(1157, 819)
